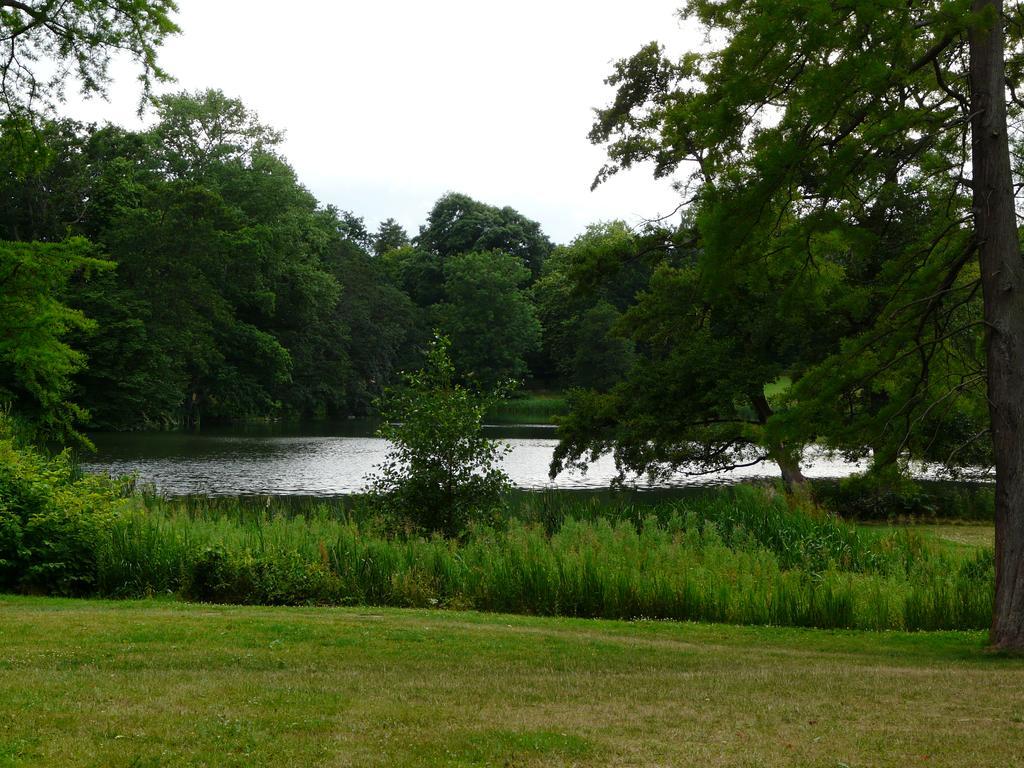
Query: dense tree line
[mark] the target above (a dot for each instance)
(199, 280)
(231, 292)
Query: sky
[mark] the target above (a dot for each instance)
(388, 104)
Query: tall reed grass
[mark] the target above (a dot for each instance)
(531, 409)
(742, 556)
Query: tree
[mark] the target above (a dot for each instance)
(43, 168)
(382, 325)
(706, 351)
(203, 129)
(481, 306)
(580, 314)
(353, 228)
(389, 236)
(1002, 280)
(206, 254)
(459, 224)
(440, 473)
(419, 273)
(488, 316)
(79, 38)
(811, 118)
(36, 363)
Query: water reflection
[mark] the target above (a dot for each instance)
(330, 459)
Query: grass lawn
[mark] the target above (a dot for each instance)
(965, 535)
(160, 683)
(778, 386)
(529, 408)
(959, 535)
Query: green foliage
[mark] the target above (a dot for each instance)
(78, 39)
(467, 271)
(527, 408)
(235, 294)
(688, 352)
(891, 495)
(488, 316)
(579, 298)
(353, 229)
(53, 523)
(36, 362)
(131, 379)
(43, 168)
(828, 238)
(417, 272)
(441, 473)
(389, 236)
(382, 329)
(201, 130)
(220, 575)
(459, 224)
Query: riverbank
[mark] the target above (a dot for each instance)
(155, 683)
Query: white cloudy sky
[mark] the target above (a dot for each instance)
(389, 104)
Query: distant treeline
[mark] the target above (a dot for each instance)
(202, 281)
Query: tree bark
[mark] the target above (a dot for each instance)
(1002, 276)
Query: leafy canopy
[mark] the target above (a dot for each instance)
(36, 362)
(827, 235)
(488, 316)
(459, 224)
(579, 298)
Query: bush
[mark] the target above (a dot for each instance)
(52, 522)
(441, 473)
(894, 496)
(263, 578)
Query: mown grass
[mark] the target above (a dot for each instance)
(778, 387)
(156, 683)
(742, 557)
(976, 536)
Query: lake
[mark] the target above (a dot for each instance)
(334, 459)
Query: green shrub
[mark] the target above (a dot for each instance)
(52, 522)
(441, 472)
(892, 496)
(528, 409)
(273, 577)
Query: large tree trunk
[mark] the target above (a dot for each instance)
(1002, 276)
(785, 456)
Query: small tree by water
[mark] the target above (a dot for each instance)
(441, 472)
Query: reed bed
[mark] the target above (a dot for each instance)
(742, 556)
(532, 409)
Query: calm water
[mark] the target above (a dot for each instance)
(331, 459)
